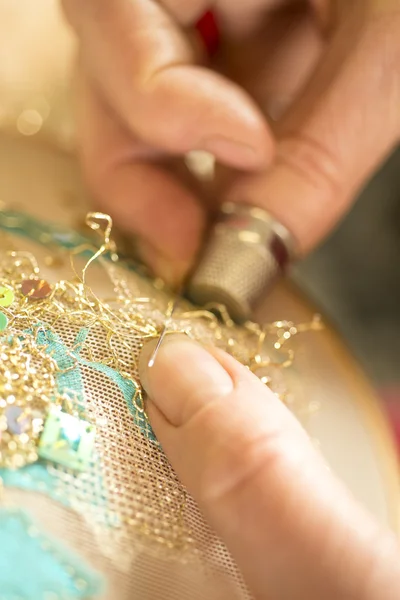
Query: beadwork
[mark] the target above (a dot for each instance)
(27, 388)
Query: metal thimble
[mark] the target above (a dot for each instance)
(245, 253)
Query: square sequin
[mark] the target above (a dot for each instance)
(67, 440)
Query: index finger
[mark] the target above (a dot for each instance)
(144, 65)
(346, 121)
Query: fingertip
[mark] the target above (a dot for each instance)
(255, 154)
(181, 376)
(194, 109)
(164, 217)
(172, 271)
(154, 205)
(241, 138)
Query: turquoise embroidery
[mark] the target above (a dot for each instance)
(34, 478)
(70, 382)
(44, 232)
(33, 566)
(37, 477)
(40, 231)
(130, 393)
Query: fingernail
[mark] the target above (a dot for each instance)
(236, 153)
(171, 271)
(184, 377)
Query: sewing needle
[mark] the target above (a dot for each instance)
(168, 319)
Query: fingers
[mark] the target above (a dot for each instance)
(343, 125)
(186, 13)
(324, 11)
(144, 197)
(260, 483)
(143, 64)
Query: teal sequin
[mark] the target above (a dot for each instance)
(33, 566)
(3, 321)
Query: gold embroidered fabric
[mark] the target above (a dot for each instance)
(126, 512)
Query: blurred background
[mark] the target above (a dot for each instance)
(353, 277)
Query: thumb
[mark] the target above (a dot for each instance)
(338, 131)
(260, 483)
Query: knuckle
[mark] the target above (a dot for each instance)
(241, 465)
(201, 409)
(312, 161)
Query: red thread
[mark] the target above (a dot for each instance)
(207, 28)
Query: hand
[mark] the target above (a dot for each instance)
(294, 531)
(329, 68)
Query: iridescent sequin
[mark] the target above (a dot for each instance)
(67, 440)
(17, 420)
(35, 289)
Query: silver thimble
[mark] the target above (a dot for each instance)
(246, 251)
